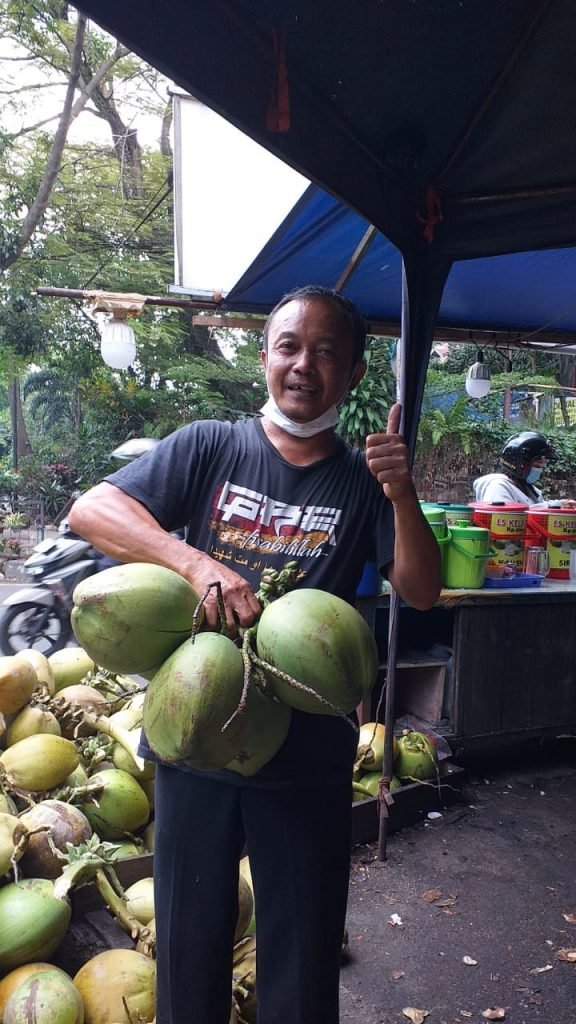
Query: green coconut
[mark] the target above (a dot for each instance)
(371, 782)
(417, 759)
(44, 998)
(264, 727)
(322, 642)
(121, 807)
(33, 922)
(69, 667)
(130, 618)
(194, 694)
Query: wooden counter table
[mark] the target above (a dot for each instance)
(512, 674)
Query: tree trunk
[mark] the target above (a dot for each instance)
(125, 140)
(20, 441)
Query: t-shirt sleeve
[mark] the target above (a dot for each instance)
(166, 479)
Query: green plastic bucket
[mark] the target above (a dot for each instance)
(465, 557)
(436, 517)
(457, 513)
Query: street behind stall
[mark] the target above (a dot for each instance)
(473, 914)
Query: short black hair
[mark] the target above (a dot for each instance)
(317, 291)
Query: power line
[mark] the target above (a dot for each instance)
(131, 233)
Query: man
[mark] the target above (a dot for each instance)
(252, 494)
(522, 460)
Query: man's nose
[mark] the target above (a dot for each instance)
(304, 361)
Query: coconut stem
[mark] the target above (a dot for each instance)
(196, 618)
(114, 897)
(117, 733)
(246, 658)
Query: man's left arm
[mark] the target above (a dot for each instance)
(415, 572)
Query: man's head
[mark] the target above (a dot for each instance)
(524, 453)
(312, 353)
(317, 291)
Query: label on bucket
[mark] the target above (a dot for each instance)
(509, 520)
(553, 523)
(507, 551)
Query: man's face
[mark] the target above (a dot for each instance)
(309, 362)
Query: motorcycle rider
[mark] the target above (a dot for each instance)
(521, 461)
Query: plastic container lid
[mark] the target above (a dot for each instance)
(467, 532)
(499, 506)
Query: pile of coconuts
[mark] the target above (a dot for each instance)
(415, 759)
(74, 798)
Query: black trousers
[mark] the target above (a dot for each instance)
(298, 841)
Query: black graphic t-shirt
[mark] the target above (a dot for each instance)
(244, 505)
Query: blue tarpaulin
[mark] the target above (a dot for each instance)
(526, 292)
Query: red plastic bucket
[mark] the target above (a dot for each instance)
(555, 530)
(507, 523)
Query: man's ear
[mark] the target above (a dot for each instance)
(263, 358)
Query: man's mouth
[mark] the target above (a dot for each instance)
(302, 388)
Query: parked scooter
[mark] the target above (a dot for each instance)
(38, 616)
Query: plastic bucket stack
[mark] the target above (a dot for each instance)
(507, 523)
(466, 556)
(436, 516)
(554, 530)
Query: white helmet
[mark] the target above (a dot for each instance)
(134, 448)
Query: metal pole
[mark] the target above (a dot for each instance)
(393, 623)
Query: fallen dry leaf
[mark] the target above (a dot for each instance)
(396, 975)
(469, 961)
(447, 903)
(540, 970)
(571, 918)
(416, 1016)
(431, 895)
(466, 1013)
(568, 956)
(494, 1013)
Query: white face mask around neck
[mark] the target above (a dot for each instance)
(324, 422)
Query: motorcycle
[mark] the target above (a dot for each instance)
(38, 616)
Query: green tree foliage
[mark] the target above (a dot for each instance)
(365, 409)
(104, 224)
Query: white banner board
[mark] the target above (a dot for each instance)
(230, 195)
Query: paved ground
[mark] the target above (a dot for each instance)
(494, 881)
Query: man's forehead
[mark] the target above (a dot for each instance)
(323, 313)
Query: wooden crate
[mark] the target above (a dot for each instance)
(411, 804)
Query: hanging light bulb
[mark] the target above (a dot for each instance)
(478, 378)
(118, 342)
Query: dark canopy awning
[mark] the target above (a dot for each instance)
(384, 102)
(450, 125)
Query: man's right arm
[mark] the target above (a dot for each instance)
(122, 527)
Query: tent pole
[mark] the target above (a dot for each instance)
(393, 621)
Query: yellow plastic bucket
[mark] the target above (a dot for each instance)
(466, 557)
